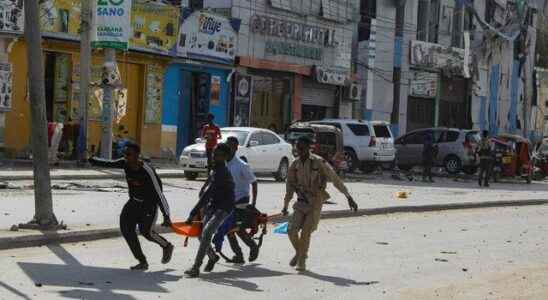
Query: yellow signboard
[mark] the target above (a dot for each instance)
(155, 26)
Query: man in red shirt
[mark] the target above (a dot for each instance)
(211, 134)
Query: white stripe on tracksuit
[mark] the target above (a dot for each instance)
(153, 233)
(157, 187)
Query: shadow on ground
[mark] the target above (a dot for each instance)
(89, 282)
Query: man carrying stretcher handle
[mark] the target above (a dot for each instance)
(145, 196)
(217, 201)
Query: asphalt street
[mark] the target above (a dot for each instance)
(97, 203)
(471, 254)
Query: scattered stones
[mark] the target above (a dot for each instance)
(464, 269)
(37, 284)
(86, 283)
(381, 243)
(441, 260)
(448, 252)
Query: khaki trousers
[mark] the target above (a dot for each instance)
(303, 221)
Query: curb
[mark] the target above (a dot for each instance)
(90, 235)
(86, 177)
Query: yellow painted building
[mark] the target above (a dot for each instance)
(138, 105)
(134, 121)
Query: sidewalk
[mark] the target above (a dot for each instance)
(92, 212)
(82, 174)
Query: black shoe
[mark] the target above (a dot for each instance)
(254, 254)
(211, 263)
(238, 259)
(192, 272)
(142, 266)
(168, 252)
(294, 261)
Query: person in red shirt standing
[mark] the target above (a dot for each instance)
(212, 134)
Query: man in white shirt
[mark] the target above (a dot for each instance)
(243, 178)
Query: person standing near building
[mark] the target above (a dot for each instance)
(217, 201)
(243, 178)
(429, 153)
(211, 134)
(141, 210)
(308, 176)
(485, 152)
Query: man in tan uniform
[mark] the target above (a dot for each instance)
(308, 176)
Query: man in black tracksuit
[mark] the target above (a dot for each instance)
(217, 201)
(145, 196)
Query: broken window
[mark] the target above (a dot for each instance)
(428, 15)
(368, 12)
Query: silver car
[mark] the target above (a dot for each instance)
(456, 149)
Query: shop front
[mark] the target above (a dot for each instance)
(198, 81)
(299, 62)
(137, 103)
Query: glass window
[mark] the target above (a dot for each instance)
(382, 131)
(269, 139)
(293, 135)
(257, 137)
(359, 129)
(240, 135)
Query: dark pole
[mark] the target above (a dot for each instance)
(398, 50)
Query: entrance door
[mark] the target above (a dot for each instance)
(199, 104)
(130, 114)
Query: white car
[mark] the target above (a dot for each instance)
(366, 143)
(263, 150)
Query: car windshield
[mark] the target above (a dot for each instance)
(240, 135)
(294, 135)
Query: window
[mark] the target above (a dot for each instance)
(326, 138)
(428, 15)
(240, 135)
(256, 137)
(358, 129)
(368, 12)
(196, 4)
(449, 136)
(336, 10)
(382, 131)
(269, 139)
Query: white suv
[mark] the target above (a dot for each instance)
(366, 143)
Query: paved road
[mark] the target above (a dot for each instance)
(83, 208)
(472, 254)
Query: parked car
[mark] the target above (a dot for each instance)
(366, 143)
(328, 142)
(456, 149)
(265, 151)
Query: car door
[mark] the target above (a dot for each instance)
(254, 152)
(412, 148)
(274, 150)
(361, 136)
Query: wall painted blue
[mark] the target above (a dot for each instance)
(493, 99)
(176, 99)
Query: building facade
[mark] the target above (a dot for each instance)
(463, 64)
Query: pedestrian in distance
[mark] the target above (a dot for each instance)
(429, 153)
(141, 210)
(485, 153)
(217, 202)
(211, 134)
(308, 176)
(243, 179)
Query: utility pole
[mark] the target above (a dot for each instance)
(398, 51)
(108, 89)
(43, 217)
(85, 74)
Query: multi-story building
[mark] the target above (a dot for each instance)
(453, 63)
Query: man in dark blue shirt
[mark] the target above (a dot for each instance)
(145, 196)
(217, 201)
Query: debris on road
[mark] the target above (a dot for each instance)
(441, 260)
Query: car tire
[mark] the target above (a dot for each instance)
(452, 164)
(283, 170)
(351, 158)
(191, 175)
(470, 170)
